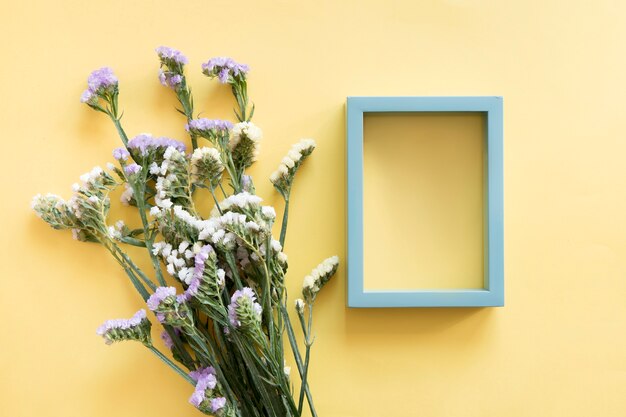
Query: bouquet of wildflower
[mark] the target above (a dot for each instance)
(218, 282)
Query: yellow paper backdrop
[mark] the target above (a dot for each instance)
(558, 348)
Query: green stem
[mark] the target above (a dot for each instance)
(120, 130)
(136, 269)
(296, 354)
(139, 191)
(307, 335)
(283, 227)
(171, 364)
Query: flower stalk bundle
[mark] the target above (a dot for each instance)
(217, 284)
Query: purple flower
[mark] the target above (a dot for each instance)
(217, 403)
(202, 373)
(87, 97)
(159, 295)
(244, 299)
(176, 79)
(223, 75)
(170, 55)
(205, 381)
(120, 153)
(196, 398)
(200, 261)
(101, 79)
(135, 328)
(145, 142)
(132, 169)
(168, 79)
(167, 339)
(135, 320)
(224, 68)
(208, 126)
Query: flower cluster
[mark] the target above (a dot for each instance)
(145, 144)
(243, 311)
(101, 83)
(170, 308)
(210, 129)
(136, 328)
(173, 179)
(225, 69)
(282, 178)
(242, 202)
(207, 396)
(318, 277)
(206, 166)
(173, 61)
(207, 280)
(178, 261)
(244, 144)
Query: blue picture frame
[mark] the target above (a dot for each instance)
(492, 295)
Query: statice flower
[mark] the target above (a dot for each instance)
(244, 144)
(207, 396)
(207, 281)
(173, 179)
(243, 311)
(206, 166)
(300, 305)
(225, 69)
(54, 210)
(241, 202)
(167, 339)
(101, 79)
(168, 79)
(120, 154)
(318, 277)
(127, 197)
(143, 144)
(202, 373)
(170, 308)
(118, 231)
(211, 129)
(132, 169)
(136, 328)
(171, 57)
(283, 177)
(101, 83)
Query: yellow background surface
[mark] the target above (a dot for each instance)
(427, 169)
(558, 347)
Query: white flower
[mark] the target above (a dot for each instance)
(247, 129)
(155, 211)
(309, 282)
(154, 168)
(167, 203)
(299, 304)
(185, 274)
(221, 275)
(114, 233)
(127, 195)
(282, 257)
(268, 212)
(157, 247)
(183, 246)
(91, 176)
(287, 370)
